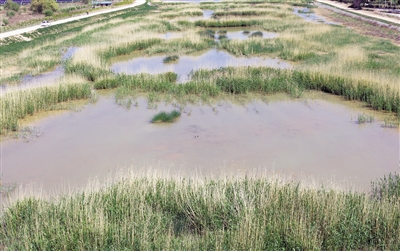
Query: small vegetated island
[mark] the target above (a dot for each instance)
(239, 213)
(166, 117)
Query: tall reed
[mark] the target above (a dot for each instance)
(154, 213)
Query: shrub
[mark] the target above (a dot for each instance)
(5, 21)
(48, 13)
(10, 13)
(387, 188)
(39, 6)
(11, 5)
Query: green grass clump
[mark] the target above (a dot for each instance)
(227, 23)
(171, 59)
(207, 34)
(166, 117)
(150, 213)
(256, 34)
(246, 32)
(387, 188)
(364, 118)
(18, 105)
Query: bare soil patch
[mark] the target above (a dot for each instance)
(364, 27)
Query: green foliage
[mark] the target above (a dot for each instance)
(364, 118)
(256, 34)
(170, 59)
(48, 13)
(207, 33)
(187, 214)
(39, 6)
(165, 117)
(10, 13)
(387, 188)
(10, 5)
(18, 105)
(5, 21)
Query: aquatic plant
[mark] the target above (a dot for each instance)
(19, 104)
(391, 123)
(202, 214)
(166, 117)
(246, 32)
(207, 34)
(387, 188)
(171, 59)
(365, 118)
(222, 37)
(256, 34)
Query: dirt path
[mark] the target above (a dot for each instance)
(32, 28)
(344, 6)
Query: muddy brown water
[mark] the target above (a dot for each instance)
(296, 137)
(209, 60)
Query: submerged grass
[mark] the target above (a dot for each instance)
(171, 59)
(166, 117)
(143, 213)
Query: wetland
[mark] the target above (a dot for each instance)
(275, 112)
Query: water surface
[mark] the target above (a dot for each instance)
(310, 16)
(209, 60)
(301, 137)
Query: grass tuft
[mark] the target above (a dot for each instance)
(165, 117)
(364, 118)
(256, 34)
(154, 213)
(171, 59)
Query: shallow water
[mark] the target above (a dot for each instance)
(308, 15)
(47, 78)
(237, 33)
(207, 14)
(300, 137)
(210, 60)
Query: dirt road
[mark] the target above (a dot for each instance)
(344, 6)
(32, 28)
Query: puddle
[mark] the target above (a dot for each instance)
(308, 15)
(69, 53)
(240, 34)
(209, 60)
(172, 35)
(207, 14)
(301, 137)
(44, 79)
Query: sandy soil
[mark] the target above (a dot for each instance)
(375, 14)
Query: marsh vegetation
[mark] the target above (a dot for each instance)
(180, 214)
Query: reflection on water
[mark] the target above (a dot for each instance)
(309, 137)
(308, 15)
(230, 33)
(209, 60)
(240, 34)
